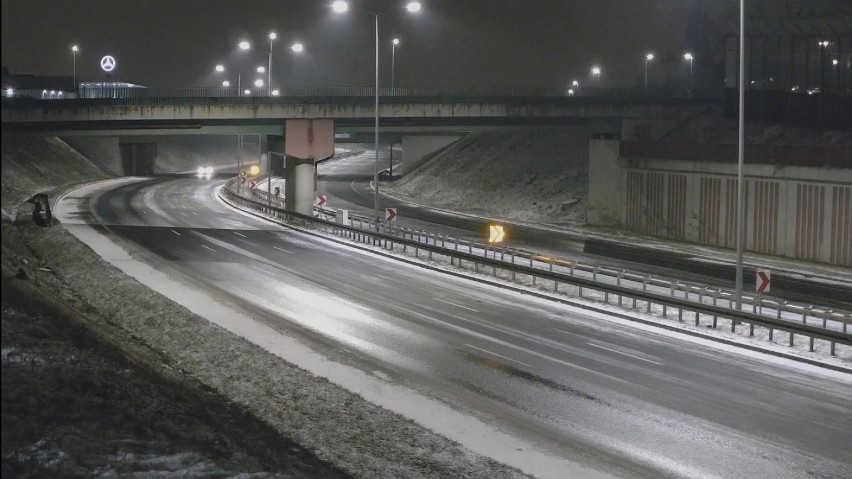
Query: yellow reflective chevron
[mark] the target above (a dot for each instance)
(495, 233)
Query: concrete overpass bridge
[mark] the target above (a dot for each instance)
(422, 120)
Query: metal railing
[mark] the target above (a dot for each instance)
(707, 305)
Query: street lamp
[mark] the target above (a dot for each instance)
(740, 161)
(823, 47)
(226, 83)
(394, 43)
(272, 36)
(341, 6)
(690, 58)
(596, 71)
(575, 83)
(648, 58)
(74, 50)
(297, 47)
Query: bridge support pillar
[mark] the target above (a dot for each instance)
(137, 159)
(305, 142)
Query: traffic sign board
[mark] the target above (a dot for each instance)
(252, 184)
(321, 199)
(762, 281)
(390, 214)
(496, 233)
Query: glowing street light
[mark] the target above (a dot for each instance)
(246, 92)
(341, 6)
(244, 45)
(575, 83)
(220, 68)
(261, 69)
(394, 43)
(297, 48)
(258, 83)
(648, 58)
(275, 92)
(74, 50)
(690, 58)
(272, 36)
(596, 72)
(226, 83)
(10, 92)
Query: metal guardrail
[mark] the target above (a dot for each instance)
(381, 236)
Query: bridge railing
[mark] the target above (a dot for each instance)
(205, 95)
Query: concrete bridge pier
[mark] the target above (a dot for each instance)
(305, 142)
(137, 159)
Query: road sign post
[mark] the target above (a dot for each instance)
(390, 214)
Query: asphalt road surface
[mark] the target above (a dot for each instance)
(608, 395)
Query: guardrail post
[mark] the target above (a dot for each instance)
(791, 339)
(832, 347)
(771, 330)
(679, 315)
(825, 319)
(665, 310)
(779, 308)
(811, 345)
(805, 314)
(595, 273)
(751, 329)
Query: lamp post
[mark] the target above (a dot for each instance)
(74, 50)
(272, 37)
(394, 43)
(823, 47)
(648, 58)
(596, 72)
(690, 58)
(740, 161)
(341, 6)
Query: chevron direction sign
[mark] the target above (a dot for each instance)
(762, 281)
(496, 233)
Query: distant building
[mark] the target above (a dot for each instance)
(109, 89)
(36, 86)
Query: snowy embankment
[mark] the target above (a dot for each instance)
(536, 175)
(336, 426)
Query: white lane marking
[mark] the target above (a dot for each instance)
(354, 304)
(238, 234)
(175, 232)
(383, 277)
(211, 249)
(193, 212)
(259, 269)
(457, 305)
(626, 354)
(282, 249)
(498, 355)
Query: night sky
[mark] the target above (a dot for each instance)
(450, 43)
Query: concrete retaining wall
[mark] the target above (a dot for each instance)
(796, 211)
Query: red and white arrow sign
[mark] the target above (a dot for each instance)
(321, 200)
(762, 281)
(252, 184)
(390, 214)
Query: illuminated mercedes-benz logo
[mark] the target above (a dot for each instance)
(108, 63)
